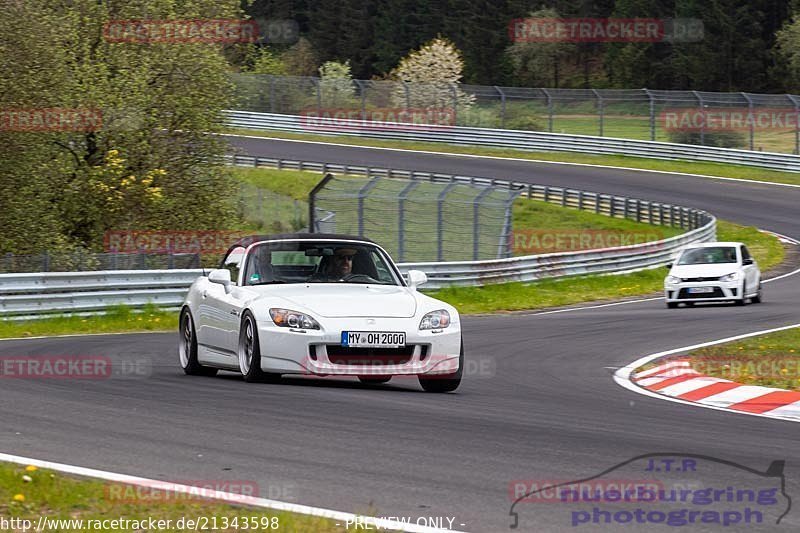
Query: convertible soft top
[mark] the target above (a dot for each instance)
(247, 241)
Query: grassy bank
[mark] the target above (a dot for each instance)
(771, 360)
(30, 493)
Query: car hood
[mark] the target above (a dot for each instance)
(342, 300)
(703, 271)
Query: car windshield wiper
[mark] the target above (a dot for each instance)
(273, 282)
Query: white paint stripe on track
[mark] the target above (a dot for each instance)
(738, 394)
(790, 410)
(689, 385)
(623, 375)
(376, 523)
(502, 158)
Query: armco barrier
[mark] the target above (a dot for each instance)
(525, 140)
(40, 294)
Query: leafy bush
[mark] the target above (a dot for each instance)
(719, 139)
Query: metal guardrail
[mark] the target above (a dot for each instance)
(525, 140)
(41, 294)
(92, 291)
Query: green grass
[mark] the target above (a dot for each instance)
(119, 319)
(710, 169)
(29, 492)
(766, 249)
(771, 360)
(292, 183)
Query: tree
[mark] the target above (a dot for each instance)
(538, 64)
(268, 62)
(432, 75)
(151, 163)
(335, 83)
(301, 59)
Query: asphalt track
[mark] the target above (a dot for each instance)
(541, 405)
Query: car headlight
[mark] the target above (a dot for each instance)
(435, 320)
(730, 277)
(673, 279)
(286, 318)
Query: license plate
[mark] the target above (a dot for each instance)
(373, 339)
(700, 290)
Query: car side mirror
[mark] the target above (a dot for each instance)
(416, 278)
(748, 261)
(221, 276)
(668, 266)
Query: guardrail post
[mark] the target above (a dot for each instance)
(362, 194)
(750, 118)
(502, 107)
(319, 96)
(612, 200)
(476, 206)
(600, 109)
(796, 104)
(454, 90)
(440, 219)
(597, 199)
(530, 191)
(580, 200)
(363, 99)
(703, 113)
(638, 210)
(549, 110)
(547, 193)
(271, 93)
(652, 114)
(625, 208)
(563, 197)
(401, 214)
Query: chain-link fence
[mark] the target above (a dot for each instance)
(730, 120)
(417, 220)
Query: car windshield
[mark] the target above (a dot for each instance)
(318, 262)
(708, 255)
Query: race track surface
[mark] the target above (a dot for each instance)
(539, 403)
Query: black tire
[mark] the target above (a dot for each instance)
(374, 380)
(187, 348)
(249, 352)
(759, 297)
(672, 305)
(445, 382)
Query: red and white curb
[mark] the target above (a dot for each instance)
(676, 381)
(679, 380)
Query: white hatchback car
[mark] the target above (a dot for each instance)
(713, 272)
(321, 305)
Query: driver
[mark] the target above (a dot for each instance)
(342, 264)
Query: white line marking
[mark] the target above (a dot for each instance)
(67, 335)
(501, 158)
(229, 497)
(623, 376)
(689, 385)
(737, 395)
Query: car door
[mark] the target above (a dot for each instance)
(217, 308)
(750, 271)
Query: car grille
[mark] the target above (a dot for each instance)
(345, 355)
(691, 280)
(684, 294)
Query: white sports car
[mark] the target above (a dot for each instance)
(713, 272)
(318, 304)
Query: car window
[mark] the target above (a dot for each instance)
(708, 255)
(318, 262)
(745, 253)
(233, 262)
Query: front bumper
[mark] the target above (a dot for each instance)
(291, 351)
(721, 291)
